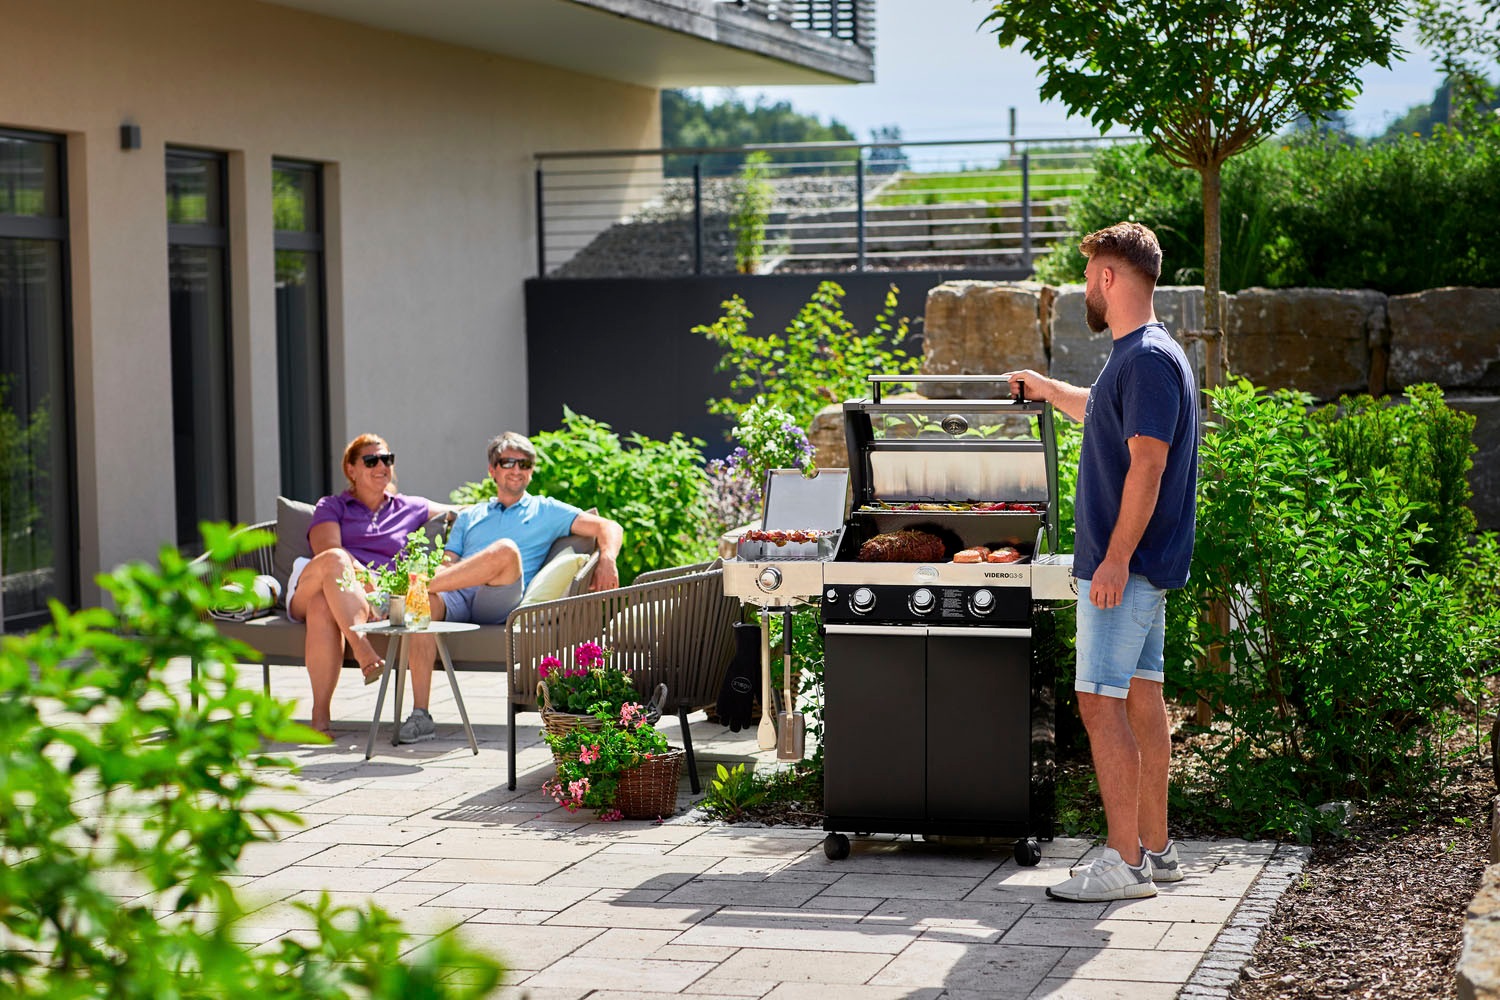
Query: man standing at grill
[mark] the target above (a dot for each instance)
(1135, 513)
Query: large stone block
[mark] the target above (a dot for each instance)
(1450, 336)
(1079, 353)
(827, 438)
(981, 328)
(1315, 339)
(1484, 478)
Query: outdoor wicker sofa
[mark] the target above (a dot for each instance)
(671, 626)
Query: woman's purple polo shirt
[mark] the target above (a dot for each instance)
(372, 537)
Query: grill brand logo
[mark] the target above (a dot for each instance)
(1003, 575)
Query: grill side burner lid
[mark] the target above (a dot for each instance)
(795, 503)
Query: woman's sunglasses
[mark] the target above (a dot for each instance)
(388, 457)
(511, 463)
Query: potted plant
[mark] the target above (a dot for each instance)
(573, 697)
(623, 769)
(381, 585)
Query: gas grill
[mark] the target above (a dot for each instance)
(938, 718)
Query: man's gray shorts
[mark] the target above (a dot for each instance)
(482, 605)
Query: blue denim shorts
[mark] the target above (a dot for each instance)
(1122, 642)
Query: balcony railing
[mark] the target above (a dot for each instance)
(847, 20)
(992, 203)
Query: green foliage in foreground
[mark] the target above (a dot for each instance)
(1398, 217)
(1351, 656)
(657, 490)
(110, 779)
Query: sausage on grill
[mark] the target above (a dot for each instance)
(902, 546)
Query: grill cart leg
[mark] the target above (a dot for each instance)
(836, 847)
(1028, 852)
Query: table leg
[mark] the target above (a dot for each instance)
(453, 683)
(385, 676)
(401, 664)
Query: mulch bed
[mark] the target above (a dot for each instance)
(1379, 913)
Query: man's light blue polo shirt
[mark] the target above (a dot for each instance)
(532, 522)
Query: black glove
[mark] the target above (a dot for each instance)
(738, 693)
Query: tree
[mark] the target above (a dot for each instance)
(1465, 34)
(1202, 80)
(688, 122)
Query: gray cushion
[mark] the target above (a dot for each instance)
(293, 518)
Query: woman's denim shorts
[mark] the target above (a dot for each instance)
(1122, 642)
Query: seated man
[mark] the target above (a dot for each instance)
(493, 551)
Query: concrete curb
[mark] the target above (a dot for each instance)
(1227, 956)
(1478, 973)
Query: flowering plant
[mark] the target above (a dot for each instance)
(590, 761)
(418, 554)
(589, 686)
(769, 438)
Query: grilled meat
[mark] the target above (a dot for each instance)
(902, 546)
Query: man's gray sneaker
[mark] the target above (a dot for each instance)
(418, 727)
(1106, 878)
(1165, 865)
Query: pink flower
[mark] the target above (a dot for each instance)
(590, 654)
(632, 715)
(610, 815)
(588, 755)
(548, 665)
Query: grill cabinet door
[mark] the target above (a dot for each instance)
(978, 727)
(874, 723)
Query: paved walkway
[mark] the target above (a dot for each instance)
(577, 908)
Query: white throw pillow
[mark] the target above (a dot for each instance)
(552, 580)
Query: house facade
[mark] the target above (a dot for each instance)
(235, 234)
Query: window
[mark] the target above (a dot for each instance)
(38, 528)
(301, 329)
(198, 278)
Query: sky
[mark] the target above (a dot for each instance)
(938, 75)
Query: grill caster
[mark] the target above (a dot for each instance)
(1028, 852)
(836, 847)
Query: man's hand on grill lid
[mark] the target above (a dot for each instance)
(1069, 398)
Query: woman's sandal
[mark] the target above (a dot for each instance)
(372, 671)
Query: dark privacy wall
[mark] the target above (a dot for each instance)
(622, 350)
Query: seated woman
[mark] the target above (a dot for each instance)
(364, 526)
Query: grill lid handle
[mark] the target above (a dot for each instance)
(877, 380)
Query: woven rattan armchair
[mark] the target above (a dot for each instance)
(671, 626)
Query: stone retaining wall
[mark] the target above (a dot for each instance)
(1328, 342)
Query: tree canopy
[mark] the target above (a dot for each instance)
(686, 121)
(1202, 80)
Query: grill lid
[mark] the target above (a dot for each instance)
(795, 502)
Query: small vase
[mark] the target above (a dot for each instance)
(418, 607)
(396, 612)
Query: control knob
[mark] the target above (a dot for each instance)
(982, 602)
(862, 600)
(922, 600)
(769, 579)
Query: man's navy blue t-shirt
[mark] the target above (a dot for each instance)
(1147, 388)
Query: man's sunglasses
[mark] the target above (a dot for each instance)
(511, 463)
(388, 457)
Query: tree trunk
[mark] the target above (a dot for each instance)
(1213, 321)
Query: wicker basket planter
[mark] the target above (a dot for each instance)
(561, 723)
(649, 791)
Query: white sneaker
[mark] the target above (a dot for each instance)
(1106, 878)
(1165, 865)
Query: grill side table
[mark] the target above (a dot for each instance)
(397, 661)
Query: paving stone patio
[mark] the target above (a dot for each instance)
(577, 908)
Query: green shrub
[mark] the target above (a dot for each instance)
(1426, 445)
(733, 792)
(106, 769)
(1398, 217)
(820, 359)
(1348, 661)
(655, 489)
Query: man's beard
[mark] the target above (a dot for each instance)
(1093, 313)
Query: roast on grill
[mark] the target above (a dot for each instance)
(902, 546)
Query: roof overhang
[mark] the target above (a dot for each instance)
(651, 43)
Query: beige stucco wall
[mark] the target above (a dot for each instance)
(430, 228)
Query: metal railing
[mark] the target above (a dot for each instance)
(824, 206)
(847, 20)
